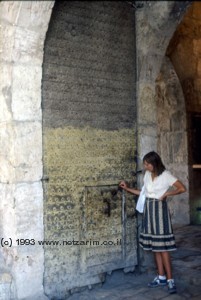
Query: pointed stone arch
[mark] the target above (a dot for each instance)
(153, 38)
(152, 41)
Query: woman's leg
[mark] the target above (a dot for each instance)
(163, 262)
(166, 260)
(161, 278)
(159, 263)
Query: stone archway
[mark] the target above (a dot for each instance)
(156, 23)
(184, 52)
(152, 40)
(172, 136)
(23, 28)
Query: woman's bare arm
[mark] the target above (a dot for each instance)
(179, 188)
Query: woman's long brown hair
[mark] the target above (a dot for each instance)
(154, 159)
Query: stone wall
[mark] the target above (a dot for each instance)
(156, 22)
(150, 53)
(186, 43)
(22, 33)
(172, 136)
(23, 26)
(184, 51)
(152, 41)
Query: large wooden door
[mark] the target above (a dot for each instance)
(88, 142)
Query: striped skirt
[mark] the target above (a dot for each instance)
(156, 234)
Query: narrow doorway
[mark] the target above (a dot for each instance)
(195, 168)
(196, 139)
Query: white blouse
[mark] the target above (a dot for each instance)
(157, 187)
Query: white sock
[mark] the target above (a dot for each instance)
(162, 277)
(170, 280)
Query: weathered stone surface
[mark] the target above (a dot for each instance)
(5, 286)
(7, 170)
(148, 143)
(154, 27)
(9, 12)
(146, 105)
(31, 15)
(28, 206)
(28, 47)
(29, 265)
(26, 96)
(7, 34)
(22, 31)
(172, 139)
(20, 159)
(5, 93)
(184, 52)
(23, 28)
(8, 228)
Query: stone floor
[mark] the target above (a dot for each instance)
(186, 263)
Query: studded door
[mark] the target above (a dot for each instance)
(108, 228)
(88, 93)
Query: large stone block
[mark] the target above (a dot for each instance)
(7, 201)
(28, 271)
(7, 34)
(147, 144)
(21, 152)
(28, 14)
(34, 15)
(7, 169)
(26, 95)
(5, 286)
(5, 92)
(27, 147)
(146, 105)
(9, 11)
(29, 210)
(179, 144)
(28, 47)
(149, 66)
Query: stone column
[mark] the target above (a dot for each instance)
(156, 22)
(23, 25)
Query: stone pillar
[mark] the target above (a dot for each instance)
(152, 41)
(156, 22)
(23, 25)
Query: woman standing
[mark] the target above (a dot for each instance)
(157, 234)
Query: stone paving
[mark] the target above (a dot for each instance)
(186, 268)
